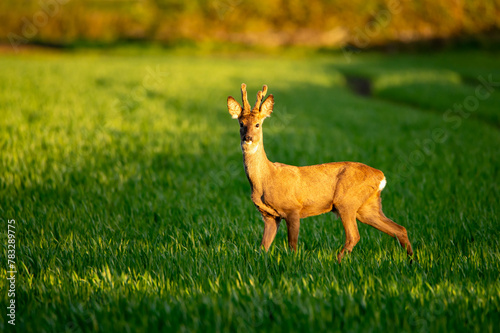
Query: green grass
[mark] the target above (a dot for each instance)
(438, 82)
(134, 214)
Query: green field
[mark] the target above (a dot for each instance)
(133, 212)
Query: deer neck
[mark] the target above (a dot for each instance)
(257, 166)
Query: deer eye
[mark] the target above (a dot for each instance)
(257, 125)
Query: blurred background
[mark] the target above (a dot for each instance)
(317, 23)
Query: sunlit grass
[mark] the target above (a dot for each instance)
(134, 212)
(406, 77)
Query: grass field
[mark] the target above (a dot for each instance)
(133, 213)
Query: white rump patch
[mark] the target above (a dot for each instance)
(382, 184)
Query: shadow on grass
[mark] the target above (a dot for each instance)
(444, 83)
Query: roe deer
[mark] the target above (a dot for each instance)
(351, 190)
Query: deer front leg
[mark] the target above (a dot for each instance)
(293, 226)
(271, 225)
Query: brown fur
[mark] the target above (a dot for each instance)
(291, 193)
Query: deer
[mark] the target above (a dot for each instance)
(350, 190)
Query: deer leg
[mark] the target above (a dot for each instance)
(293, 226)
(271, 225)
(371, 213)
(351, 232)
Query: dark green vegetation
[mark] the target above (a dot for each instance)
(133, 210)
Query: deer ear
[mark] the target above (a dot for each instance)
(233, 107)
(267, 107)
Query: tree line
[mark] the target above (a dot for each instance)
(321, 23)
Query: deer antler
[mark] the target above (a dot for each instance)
(260, 95)
(246, 105)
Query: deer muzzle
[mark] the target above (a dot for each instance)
(247, 139)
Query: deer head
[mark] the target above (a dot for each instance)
(251, 119)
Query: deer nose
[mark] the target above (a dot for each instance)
(247, 138)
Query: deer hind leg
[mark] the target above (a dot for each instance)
(271, 225)
(348, 218)
(371, 213)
